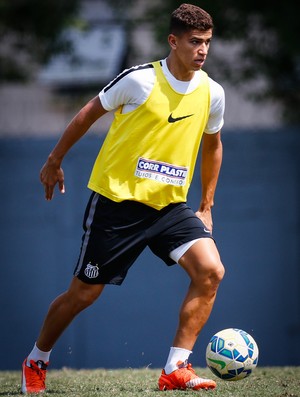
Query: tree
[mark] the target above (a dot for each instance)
(260, 43)
(30, 33)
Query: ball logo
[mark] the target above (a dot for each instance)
(91, 271)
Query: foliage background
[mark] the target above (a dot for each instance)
(30, 33)
(259, 41)
(258, 38)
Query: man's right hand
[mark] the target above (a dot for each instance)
(50, 175)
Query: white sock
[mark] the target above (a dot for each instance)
(176, 354)
(37, 354)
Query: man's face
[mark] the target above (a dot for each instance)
(191, 48)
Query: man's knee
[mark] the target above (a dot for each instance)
(208, 275)
(86, 298)
(218, 272)
(202, 261)
(83, 295)
(213, 272)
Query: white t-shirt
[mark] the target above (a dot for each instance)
(132, 87)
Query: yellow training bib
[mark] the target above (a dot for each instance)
(149, 154)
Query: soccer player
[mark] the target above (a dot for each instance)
(139, 184)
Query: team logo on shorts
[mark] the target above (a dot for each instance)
(169, 174)
(91, 271)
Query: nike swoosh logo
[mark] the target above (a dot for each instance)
(172, 119)
(219, 362)
(206, 230)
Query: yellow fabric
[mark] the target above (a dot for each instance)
(149, 154)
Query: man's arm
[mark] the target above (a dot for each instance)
(52, 173)
(211, 160)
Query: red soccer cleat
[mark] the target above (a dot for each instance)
(184, 378)
(33, 377)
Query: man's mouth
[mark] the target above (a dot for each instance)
(200, 62)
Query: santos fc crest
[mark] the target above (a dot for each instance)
(91, 271)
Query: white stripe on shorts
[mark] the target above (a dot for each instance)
(178, 252)
(88, 224)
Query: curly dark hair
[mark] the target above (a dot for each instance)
(188, 17)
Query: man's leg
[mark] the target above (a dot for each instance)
(203, 265)
(61, 313)
(64, 309)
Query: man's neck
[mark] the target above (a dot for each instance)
(178, 72)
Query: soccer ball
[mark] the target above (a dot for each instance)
(232, 354)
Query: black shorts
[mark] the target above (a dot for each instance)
(117, 233)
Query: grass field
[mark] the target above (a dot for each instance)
(264, 382)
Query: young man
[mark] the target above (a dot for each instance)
(139, 186)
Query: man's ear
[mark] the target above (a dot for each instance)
(172, 41)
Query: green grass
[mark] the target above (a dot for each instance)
(264, 382)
